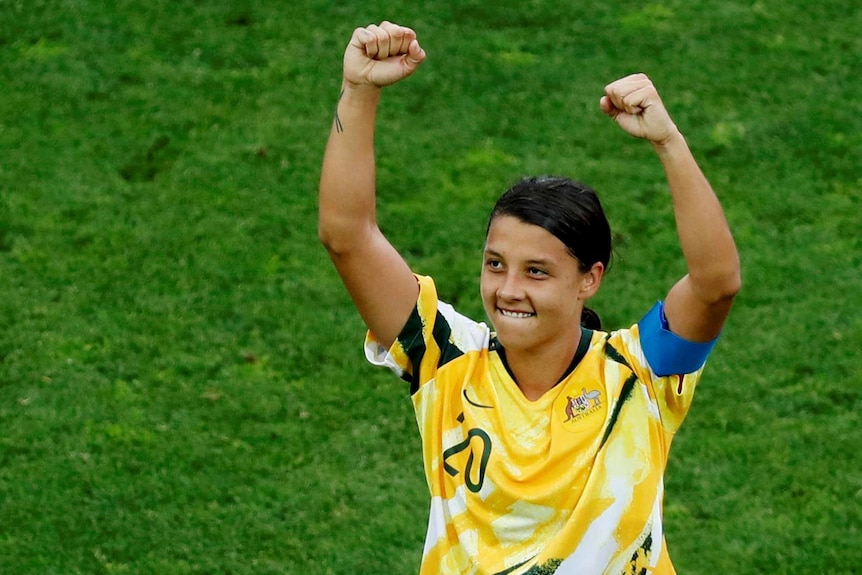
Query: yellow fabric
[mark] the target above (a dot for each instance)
(570, 483)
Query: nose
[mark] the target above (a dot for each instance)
(510, 289)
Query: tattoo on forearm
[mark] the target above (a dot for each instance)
(339, 127)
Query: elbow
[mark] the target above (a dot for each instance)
(718, 285)
(339, 237)
(333, 242)
(724, 287)
(731, 286)
(323, 234)
(721, 279)
(733, 279)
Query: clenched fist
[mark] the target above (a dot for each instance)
(633, 102)
(381, 55)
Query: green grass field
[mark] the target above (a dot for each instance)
(182, 387)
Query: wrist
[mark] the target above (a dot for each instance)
(669, 144)
(359, 90)
(358, 98)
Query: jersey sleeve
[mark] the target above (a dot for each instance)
(434, 335)
(671, 393)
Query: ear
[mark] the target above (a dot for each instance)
(591, 281)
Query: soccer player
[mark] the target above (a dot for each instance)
(545, 440)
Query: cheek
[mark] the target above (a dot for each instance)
(489, 285)
(554, 299)
(486, 287)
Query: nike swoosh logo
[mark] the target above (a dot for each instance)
(471, 402)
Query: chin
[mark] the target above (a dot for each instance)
(512, 341)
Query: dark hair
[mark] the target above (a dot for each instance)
(569, 210)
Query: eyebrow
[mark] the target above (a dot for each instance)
(532, 262)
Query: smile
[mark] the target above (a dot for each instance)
(515, 314)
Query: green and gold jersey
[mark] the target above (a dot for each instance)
(568, 484)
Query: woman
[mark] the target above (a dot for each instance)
(544, 441)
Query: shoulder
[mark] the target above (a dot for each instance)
(649, 346)
(435, 334)
(670, 394)
(439, 320)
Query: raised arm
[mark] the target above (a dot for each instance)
(697, 305)
(376, 276)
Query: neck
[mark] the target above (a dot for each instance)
(537, 372)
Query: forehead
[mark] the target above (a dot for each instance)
(511, 238)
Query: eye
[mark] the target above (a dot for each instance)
(493, 264)
(537, 272)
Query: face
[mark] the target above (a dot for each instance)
(532, 287)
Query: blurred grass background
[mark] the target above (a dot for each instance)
(182, 388)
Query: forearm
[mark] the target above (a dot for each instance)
(707, 244)
(347, 203)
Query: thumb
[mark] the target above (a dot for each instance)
(415, 56)
(608, 107)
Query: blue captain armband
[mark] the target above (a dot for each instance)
(666, 352)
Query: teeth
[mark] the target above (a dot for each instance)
(516, 314)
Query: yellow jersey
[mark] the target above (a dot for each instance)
(571, 483)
